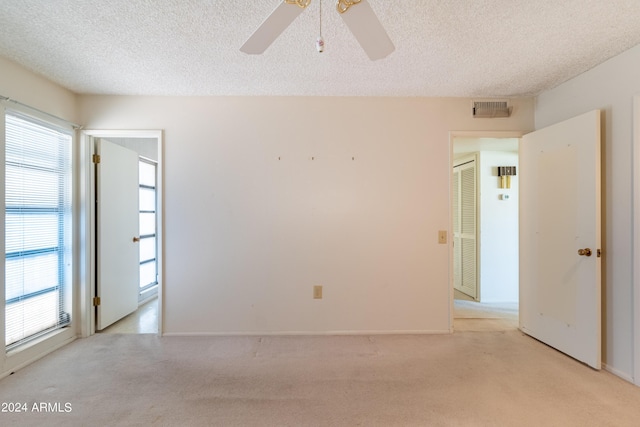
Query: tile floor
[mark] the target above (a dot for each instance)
(142, 321)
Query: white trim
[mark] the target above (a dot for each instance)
(304, 333)
(14, 105)
(36, 351)
(87, 221)
(617, 373)
(636, 240)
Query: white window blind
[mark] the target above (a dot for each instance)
(37, 229)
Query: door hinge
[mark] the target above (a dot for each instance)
(96, 301)
(96, 158)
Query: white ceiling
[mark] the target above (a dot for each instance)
(463, 48)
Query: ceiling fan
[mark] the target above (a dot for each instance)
(357, 14)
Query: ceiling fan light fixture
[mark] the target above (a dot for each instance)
(302, 3)
(344, 5)
(362, 21)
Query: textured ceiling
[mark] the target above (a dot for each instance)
(463, 48)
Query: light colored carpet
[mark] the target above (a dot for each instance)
(501, 378)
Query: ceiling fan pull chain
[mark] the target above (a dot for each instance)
(320, 40)
(344, 5)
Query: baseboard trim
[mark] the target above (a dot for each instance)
(618, 373)
(304, 333)
(38, 356)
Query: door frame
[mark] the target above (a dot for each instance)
(452, 136)
(636, 239)
(87, 219)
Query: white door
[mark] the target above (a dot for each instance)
(560, 237)
(118, 264)
(465, 278)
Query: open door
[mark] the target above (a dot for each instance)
(560, 246)
(118, 265)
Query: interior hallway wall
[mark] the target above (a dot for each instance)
(498, 224)
(266, 197)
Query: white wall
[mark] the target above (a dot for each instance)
(609, 87)
(248, 235)
(498, 219)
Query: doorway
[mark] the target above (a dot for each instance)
(145, 316)
(485, 253)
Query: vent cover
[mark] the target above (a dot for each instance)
(489, 109)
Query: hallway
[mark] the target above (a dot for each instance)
(470, 315)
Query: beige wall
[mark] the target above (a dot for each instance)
(36, 91)
(252, 223)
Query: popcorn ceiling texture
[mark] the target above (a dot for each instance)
(465, 48)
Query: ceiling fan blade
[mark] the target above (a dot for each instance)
(367, 29)
(271, 28)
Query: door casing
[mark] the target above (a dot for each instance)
(636, 238)
(87, 217)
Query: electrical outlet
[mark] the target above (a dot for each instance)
(317, 292)
(442, 237)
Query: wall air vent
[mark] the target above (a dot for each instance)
(490, 109)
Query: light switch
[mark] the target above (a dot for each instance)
(317, 292)
(442, 237)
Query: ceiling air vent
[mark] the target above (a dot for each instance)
(490, 109)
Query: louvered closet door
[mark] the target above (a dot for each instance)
(457, 246)
(465, 257)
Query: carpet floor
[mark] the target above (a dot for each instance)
(494, 378)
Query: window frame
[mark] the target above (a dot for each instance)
(21, 355)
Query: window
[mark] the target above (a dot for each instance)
(38, 229)
(148, 245)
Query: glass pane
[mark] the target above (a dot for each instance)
(27, 317)
(31, 187)
(147, 223)
(31, 232)
(147, 199)
(30, 274)
(147, 273)
(37, 227)
(30, 143)
(147, 174)
(147, 248)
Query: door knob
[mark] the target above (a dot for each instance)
(584, 252)
(137, 239)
